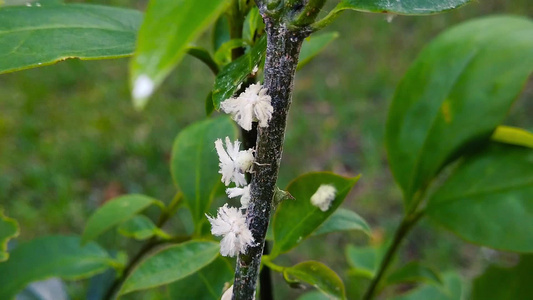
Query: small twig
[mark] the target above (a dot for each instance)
(147, 247)
(407, 223)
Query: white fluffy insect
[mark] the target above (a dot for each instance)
(324, 195)
(231, 224)
(233, 162)
(252, 105)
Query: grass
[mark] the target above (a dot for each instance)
(70, 139)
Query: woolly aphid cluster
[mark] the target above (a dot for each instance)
(252, 105)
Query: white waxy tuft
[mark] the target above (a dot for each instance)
(243, 192)
(143, 87)
(323, 197)
(228, 294)
(252, 105)
(231, 224)
(233, 163)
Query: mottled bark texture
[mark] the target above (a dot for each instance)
(282, 53)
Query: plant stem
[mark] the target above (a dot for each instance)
(407, 223)
(283, 48)
(148, 246)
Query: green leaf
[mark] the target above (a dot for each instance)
(223, 54)
(513, 136)
(314, 296)
(414, 272)
(209, 108)
(313, 45)
(194, 163)
(498, 283)
(204, 56)
(115, 212)
(140, 228)
(343, 220)
(36, 3)
(221, 32)
(235, 73)
(252, 24)
(9, 229)
(365, 261)
(403, 7)
(454, 95)
(170, 264)
(452, 290)
(295, 220)
(168, 28)
(318, 275)
(206, 284)
(38, 36)
(487, 200)
(52, 256)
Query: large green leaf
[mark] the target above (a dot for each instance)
(206, 284)
(9, 229)
(194, 163)
(313, 45)
(343, 220)
(115, 212)
(365, 261)
(170, 264)
(235, 73)
(168, 27)
(52, 256)
(454, 96)
(140, 227)
(498, 283)
(488, 199)
(451, 290)
(413, 272)
(402, 7)
(318, 275)
(513, 136)
(43, 35)
(295, 220)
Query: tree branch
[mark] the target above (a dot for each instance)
(283, 48)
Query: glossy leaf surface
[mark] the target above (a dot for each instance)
(414, 272)
(139, 227)
(115, 212)
(365, 261)
(194, 163)
(453, 289)
(295, 220)
(488, 200)
(52, 256)
(401, 7)
(235, 73)
(9, 229)
(499, 283)
(455, 94)
(313, 45)
(318, 275)
(168, 27)
(206, 284)
(343, 220)
(42, 35)
(170, 264)
(513, 136)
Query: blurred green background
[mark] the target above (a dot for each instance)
(70, 138)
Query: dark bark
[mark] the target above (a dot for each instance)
(283, 48)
